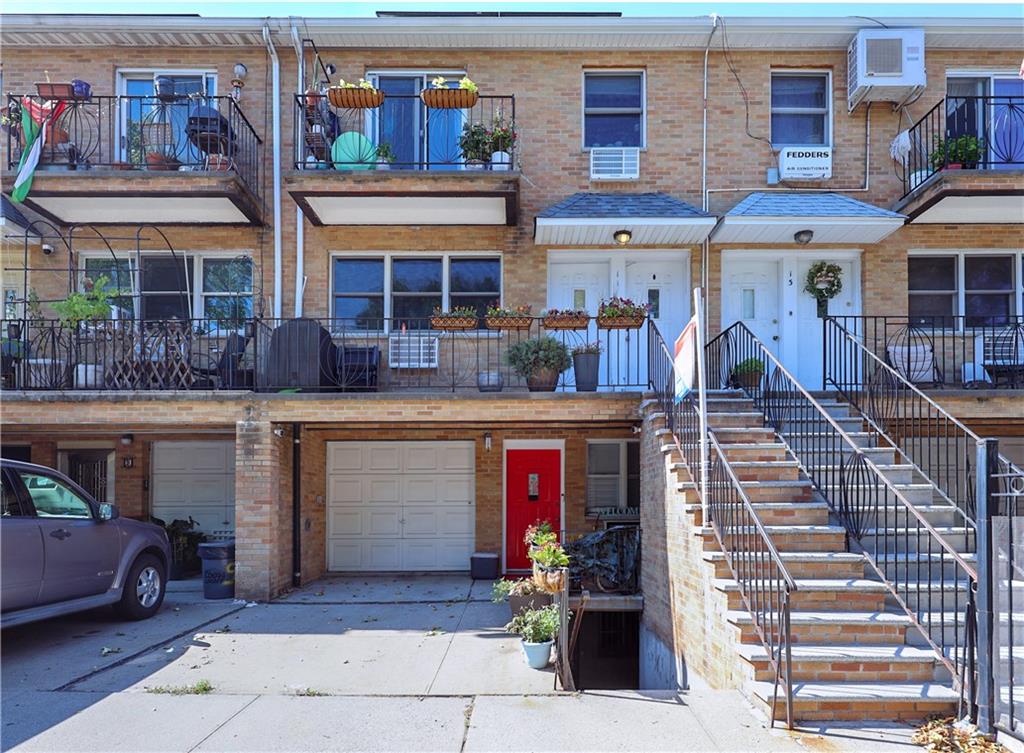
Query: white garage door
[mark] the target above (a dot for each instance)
(195, 479)
(400, 505)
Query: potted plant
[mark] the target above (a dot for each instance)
(538, 534)
(385, 156)
(540, 361)
(521, 594)
(517, 318)
(218, 162)
(550, 566)
(475, 146)
(956, 153)
(355, 95)
(537, 628)
(621, 313)
(185, 541)
(78, 311)
(458, 319)
(439, 96)
(501, 139)
(747, 374)
(560, 319)
(586, 362)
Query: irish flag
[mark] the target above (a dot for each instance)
(35, 123)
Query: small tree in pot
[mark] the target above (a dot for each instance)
(586, 363)
(538, 628)
(747, 374)
(539, 361)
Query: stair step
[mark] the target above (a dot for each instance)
(787, 537)
(741, 617)
(821, 594)
(804, 564)
(820, 584)
(735, 419)
(848, 653)
(852, 700)
(727, 435)
(914, 539)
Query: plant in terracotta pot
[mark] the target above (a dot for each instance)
(537, 628)
(956, 153)
(540, 361)
(747, 374)
(521, 594)
(586, 362)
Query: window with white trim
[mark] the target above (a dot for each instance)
(801, 108)
(613, 108)
(983, 287)
(613, 476)
(375, 293)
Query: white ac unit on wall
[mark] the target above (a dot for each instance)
(615, 163)
(885, 65)
(413, 351)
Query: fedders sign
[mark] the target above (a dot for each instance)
(805, 163)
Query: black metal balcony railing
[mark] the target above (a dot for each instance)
(404, 134)
(606, 561)
(307, 355)
(968, 133)
(944, 351)
(157, 133)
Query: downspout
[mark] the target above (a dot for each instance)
(706, 245)
(276, 99)
(296, 505)
(300, 226)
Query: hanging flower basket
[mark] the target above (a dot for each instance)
(452, 323)
(355, 97)
(449, 99)
(570, 321)
(633, 321)
(508, 322)
(551, 581)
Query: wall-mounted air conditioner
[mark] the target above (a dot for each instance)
(615, 163)
(410, 350)
(885, 65)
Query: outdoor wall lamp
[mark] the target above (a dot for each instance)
(238, 81)
(803, 237)
(487, 441)
(128, 461)
(127, 439)
(622, 237)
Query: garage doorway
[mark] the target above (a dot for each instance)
(197, 480)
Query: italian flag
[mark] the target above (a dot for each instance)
(35, 122)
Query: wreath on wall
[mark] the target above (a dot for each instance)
(824, 280)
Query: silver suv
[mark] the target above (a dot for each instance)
(61, 551)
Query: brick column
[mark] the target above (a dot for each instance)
(262, 510)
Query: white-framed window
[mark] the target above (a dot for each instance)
(203, 286)
(614, 108)
(801, 108)
(613, 475)
(985, 104)
(984, 287)
(377, 292)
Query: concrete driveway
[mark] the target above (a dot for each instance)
(388, 663)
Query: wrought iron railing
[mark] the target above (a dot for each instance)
(967, 133)
(941, 352)
(319, 355)
(765, 584)
(1007, 576)
(931, 580)
(171, 132)
(403, 133)
(604, 561)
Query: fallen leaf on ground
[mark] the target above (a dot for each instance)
(106, 651)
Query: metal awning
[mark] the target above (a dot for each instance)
(591, 219)
(830, 217)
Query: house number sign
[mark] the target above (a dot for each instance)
(533, 487)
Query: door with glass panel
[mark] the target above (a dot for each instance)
(989, 108)
(154, 118)
(419, 138)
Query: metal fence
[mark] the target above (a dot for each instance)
(1007, 573)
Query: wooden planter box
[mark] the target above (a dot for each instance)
(508, 322)
(354, 98)
(449, 99)
(566, 322)
(621, 322)
(453, 323)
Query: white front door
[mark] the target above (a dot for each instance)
(810, 333)
(197, 480)
(395, 506)
(751, 296)
(662, 286)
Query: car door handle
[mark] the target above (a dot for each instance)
(60, 533)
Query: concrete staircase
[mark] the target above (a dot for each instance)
(856, 654)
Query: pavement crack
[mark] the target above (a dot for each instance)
(220, 726)
(468, 714)
(448, 647)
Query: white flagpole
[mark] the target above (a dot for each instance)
(702, 402)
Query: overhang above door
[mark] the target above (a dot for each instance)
(831, 218)
(592, 219)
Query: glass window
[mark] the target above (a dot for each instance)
(166, 281)
(52, 499)
(416, 286)
(475, 283)
(119, 282)
(227, 291)
(359, 293)
(988, 290)
(932, 282)
(10, 504)
(800, 109)
(980, 287)
(613, 109)
(613, 476)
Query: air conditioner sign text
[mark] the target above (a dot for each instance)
(805, 163)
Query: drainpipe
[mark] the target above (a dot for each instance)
(276, 99)
(300, 226)
(296, 506)
(705, 254)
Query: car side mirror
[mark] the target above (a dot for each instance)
(109, 512)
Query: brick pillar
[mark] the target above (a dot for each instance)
(262, 505)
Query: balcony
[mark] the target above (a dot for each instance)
(958, 352)
(404, 163)
(965, 162)
(168, 159)
(329, 356)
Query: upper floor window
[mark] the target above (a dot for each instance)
(613, 108)
(613, 475)
(801, 108)
(985, 288)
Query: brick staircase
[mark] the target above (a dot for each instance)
(856, 653)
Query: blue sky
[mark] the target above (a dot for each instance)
(251, 8)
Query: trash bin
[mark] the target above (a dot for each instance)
(218, 568)
(483, 566)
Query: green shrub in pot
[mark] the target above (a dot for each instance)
(748, 373)
(537, 628)
(540, 361)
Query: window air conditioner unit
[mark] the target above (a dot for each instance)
(885, 65)
(615, 163)
(409, 350)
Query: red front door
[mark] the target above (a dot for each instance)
(533, 493)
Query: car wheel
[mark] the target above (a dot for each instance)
(144, 588)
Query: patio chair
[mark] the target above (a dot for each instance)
(229, 373)
(358, 366)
